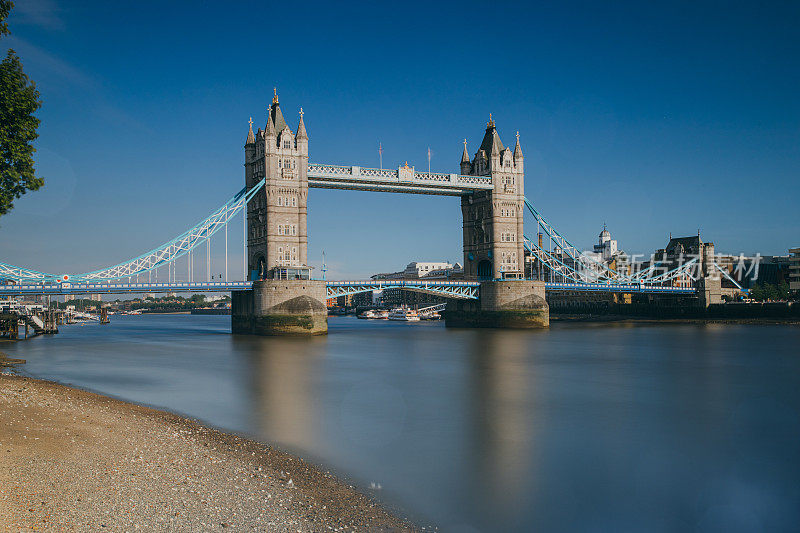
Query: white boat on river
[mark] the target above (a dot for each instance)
(404, 314)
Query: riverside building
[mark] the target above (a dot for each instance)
(794, 269)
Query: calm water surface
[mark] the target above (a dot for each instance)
(579, 428)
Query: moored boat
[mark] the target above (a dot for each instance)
(404, 314)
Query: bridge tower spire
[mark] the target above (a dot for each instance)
(466, 165)
(493, 227)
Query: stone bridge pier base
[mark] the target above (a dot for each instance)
(709, 291)
(503, 304)
(280, 307)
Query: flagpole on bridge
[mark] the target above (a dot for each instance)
(429, 159)
(226, 247)
(244, 241)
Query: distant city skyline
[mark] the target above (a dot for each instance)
(652, 119)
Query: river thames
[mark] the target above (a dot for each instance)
(583, 427)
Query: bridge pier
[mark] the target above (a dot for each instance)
(709, 291)
(517, 304)
(280, 307)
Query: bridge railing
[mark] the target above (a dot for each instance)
(362, 174)
(378, 173)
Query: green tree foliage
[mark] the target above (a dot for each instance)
(783, 290)
(19, 99)
(5, 9)
(768, 291)
(756, 292)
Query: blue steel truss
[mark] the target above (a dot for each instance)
(647, 278)
(725, 273)
(164, 254)
(578, 266)
(180, 245)
(19, 274)
(460, 290)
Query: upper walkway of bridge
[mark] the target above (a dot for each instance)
(405, 180)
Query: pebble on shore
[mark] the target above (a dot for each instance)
(77, 461)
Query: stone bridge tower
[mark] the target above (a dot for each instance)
(493, 240)
(284, 300)
(277, 233)
(494, 251)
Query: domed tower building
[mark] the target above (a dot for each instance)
(606, 247)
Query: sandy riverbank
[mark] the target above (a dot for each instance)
(76, 461)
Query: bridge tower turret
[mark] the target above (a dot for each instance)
(250, 144)
(493, 227)
(466, 165)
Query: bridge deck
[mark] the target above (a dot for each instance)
(452, 289)
(404, 179)
(123, 288)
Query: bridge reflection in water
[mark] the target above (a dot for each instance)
(282, 379)
(503, 388)
(402, 409)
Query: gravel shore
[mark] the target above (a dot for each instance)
(71, 460)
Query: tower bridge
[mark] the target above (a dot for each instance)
(278, 294)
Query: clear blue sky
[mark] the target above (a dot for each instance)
(651, 118)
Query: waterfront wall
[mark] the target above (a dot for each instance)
(678, 309)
